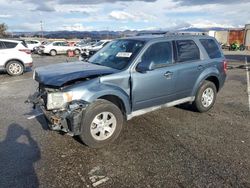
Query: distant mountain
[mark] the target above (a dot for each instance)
(195, 29)
(104, 34)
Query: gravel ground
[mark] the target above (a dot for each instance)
(173, 147)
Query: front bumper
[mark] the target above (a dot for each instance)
(67, 120)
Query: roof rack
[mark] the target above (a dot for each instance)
(152, 33)
(185, 33)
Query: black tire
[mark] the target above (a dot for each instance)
(198, 104)
(77, 52)
(92, 111)
(17, 71)
(53, 52)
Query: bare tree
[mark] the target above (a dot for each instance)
(3, 30)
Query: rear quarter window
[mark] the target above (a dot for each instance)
(187, 50)
(9, 45)
(211, 48)
(24, 44)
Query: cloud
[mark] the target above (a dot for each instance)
(44, 7)
(204, 2)
(25, 27)
(76, 27)
(83, 9)
(98, 1)
(5, 15)
(121, 15)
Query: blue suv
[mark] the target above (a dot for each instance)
(127, 78)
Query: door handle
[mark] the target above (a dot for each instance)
(168, 75)
(200, 67)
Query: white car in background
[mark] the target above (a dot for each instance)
(15, 57)
(32, 44)
(89, 51)
(59, 47)
(97, 46)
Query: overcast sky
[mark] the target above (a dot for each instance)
(25, 15)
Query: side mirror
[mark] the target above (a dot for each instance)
(144, 67)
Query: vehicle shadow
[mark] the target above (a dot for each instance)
(43, 122)
(18, 153)
(187, 107)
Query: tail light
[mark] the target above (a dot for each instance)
(225, 66)
(25, 50)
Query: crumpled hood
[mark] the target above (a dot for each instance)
(59, 74)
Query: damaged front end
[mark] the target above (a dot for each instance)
(62, 112)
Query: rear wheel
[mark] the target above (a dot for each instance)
(102, 124)
(53, 53)
(77, 51)
(205, 97)
(14, 68)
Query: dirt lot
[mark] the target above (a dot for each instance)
(173, 147)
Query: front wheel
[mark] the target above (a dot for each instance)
(102, 124)
(205, 97)
(14, 68)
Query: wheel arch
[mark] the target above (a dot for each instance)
(214, 80)
(115, 100)
(116, 96)
(53, 50)
(212, 75)
(5, 65)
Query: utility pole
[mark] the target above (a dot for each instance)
(41, 24)
(248, 82)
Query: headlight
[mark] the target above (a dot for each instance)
(58, 100)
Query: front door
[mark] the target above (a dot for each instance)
(157, 86)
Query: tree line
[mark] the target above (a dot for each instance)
(3, 30)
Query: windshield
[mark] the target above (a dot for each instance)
(117, 54)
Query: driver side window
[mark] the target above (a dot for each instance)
(158, 54)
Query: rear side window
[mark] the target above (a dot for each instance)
(211, 48)
(1, 45)
(10, 44)
(57, 44)
(159, 53)
(187, 50)
(64, 44)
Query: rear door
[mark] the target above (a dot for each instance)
(1, 55)
(157, 86)
(58, 47)
(189, 64)
(65, 47)
(7, 51)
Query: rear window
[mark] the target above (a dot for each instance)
(211, 48)
(10, 44)
(187, 50)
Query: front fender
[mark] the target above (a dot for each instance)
(212, 71)
(92, 91)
